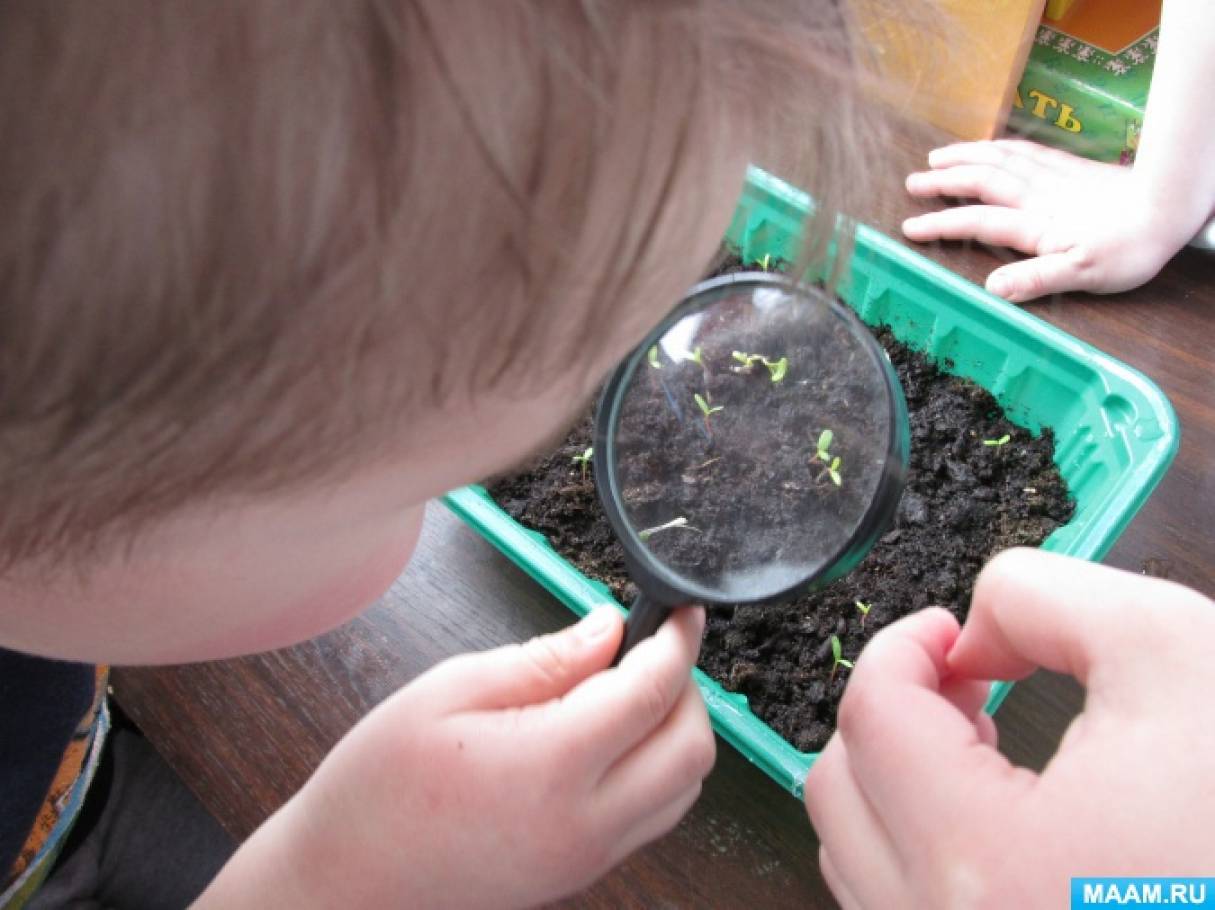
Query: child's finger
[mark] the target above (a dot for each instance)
(990, 154)
(531, 673)
(1021, 157)
(913, 754)
(835, 882)
(1034, 609)
(1052, 273)
(984, 182)
(985, 223)
(863, 852)
(989, 733)
(1055, 160)
(967, 695)
(612, 712)
(956, 153)
(678, 754)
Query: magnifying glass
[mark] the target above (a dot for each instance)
(752, 448)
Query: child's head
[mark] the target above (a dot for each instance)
(272, 274)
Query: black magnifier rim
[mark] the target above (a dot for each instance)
(664, 585)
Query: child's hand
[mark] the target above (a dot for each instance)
(501, 779)
(916, 808)
(1090, 226)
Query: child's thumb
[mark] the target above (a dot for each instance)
(534, 672)
(1035, 609)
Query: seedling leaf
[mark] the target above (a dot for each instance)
(837, 654)
(652, 357)
(778, 369)
(833, 470)
(1003, 440)
(825, 439)
(584, 460)
(705, 407)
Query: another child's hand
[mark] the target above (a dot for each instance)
(507, 778)
(1089, 226)
(916, 808)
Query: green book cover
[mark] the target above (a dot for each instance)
(1083, 97)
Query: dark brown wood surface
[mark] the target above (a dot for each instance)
(245, 734)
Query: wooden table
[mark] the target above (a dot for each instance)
(245, 734)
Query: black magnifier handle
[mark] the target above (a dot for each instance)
(645, 616)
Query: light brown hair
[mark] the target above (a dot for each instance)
(244, 243)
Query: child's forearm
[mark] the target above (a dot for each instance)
(278, 867)
(1176, 158)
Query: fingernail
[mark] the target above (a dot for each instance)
(597, 623)
(701, 618)
(999, 285)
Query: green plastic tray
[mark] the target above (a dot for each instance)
(1115, 432)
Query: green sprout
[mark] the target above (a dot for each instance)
(696, 355)
(823, 446)
(679, 522)
(833, 471)
(837, 653)
(652, 357)
(777, 369)
(864, 608)
(704, 406)
(996, 443)
(831, 464)
(766, 262)
(707, 409)
(584, 460)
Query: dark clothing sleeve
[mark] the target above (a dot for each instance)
(41, 704)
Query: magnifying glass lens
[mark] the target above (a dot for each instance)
(756, 444)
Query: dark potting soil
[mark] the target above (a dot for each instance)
(716, 446)
(964, 502)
